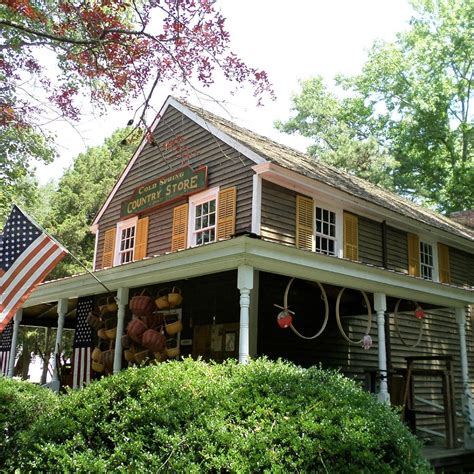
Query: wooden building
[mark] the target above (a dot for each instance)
(249, 230)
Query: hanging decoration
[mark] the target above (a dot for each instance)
(419, 315)
(285, 317)
(366, 340)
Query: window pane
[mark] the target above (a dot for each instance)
(325, 229)
(205, 221)
(212, 219)
(212, 206)
(198, 211)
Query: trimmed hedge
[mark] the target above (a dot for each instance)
(192, 416)
(20, 405)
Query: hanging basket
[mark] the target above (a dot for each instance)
(162, 299)
(142, 304)
(173, 327)
(172, 348)
(153, 340)
(126, 341)
(96, 354)
(142, 356)
(108, 360)
(111, 333)
(94, 321)
(129, 355)
(152, 321)
(97, 367)
(160, 356)
(175, 297)
(102, 333)
(111, 304)
(135, 330)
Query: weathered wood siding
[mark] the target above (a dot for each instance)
(462, 267)
(370, 241)
(226, 167)
(278, 214)
(397, 250)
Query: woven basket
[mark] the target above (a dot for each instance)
(153, 340)
(97, 367)
(96, 354)
(126, 341)
(142, 305)
(142, 356)
(162, 299)
(111, 333)
(129, 355)
(94, 321)
(174, 297)
(108, 360)
(172, 348)
(160, 356)
(135, 330)
(102, 333)
(173, 327)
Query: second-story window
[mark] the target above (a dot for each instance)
(202, 217)
(325, 231)
(426, 261)
(126, 236)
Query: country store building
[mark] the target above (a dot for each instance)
(251, 248)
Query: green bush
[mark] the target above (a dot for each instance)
(192, 416)
(20, 405)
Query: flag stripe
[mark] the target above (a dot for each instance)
(8, 313)
(35, 247)
(35, 264)
(4, 360)
(76, 368)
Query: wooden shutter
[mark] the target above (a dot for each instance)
(226, 209)
(443, 262)
(413, 255)
(351, 236)
(179, 236)
(109, 248)
(141, 239)
(304, 222)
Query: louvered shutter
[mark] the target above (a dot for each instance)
(413, 255)
(351, 236)
(109, 248)
(226, 209)
(443, 261)
(141, 240)
(304, 222)
(179, 236)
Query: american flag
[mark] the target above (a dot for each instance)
(5, 348)
(81, 359)
(27, 255)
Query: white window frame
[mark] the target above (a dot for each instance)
(434, 247)
(339, 240)
(194, 201)
(122, 225)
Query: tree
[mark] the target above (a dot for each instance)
(81, 192)
(414, 97)
(108, 52)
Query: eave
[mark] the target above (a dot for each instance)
(264, 256)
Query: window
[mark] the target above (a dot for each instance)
(426, 261)
(325, 231)
(203, 217)
(126, 237)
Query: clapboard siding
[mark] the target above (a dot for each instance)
(397, 250)
(278, 214)
(226, 167)
(370, 242)
(462, 267)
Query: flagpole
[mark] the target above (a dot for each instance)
(64, 248)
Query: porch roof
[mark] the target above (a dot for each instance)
(265, 256)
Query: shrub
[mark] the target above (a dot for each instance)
(20, 404)
(192, 416)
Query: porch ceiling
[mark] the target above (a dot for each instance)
(265, 256)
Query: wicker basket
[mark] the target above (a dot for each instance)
(129, 355)
(172, 348)
(108, 360)
(97, 366)
(96, 354)
(153, 340)
(142, 356)
(160, 356)
(162, 299)
(174, 297)
(94, 321)
(126, 341)
(173, 327)
(142, 304)
(111, 333)
(135, 330)
(102, 333)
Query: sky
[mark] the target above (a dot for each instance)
(289, 40)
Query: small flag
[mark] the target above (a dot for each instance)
(27, 255)
(81, 357)
(5, 348)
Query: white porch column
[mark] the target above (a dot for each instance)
(62, 310)
(253, 312)
(380, 306)
(244, 284)
(467, 408)
(122, 302)
(16, 327)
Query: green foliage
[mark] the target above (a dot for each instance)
(21, 403)
(413, 99)
(190, 416)
(81, 192)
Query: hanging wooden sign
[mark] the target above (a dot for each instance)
(165, 189)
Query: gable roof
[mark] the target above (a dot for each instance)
(261, 149)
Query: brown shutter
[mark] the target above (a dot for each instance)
(226, 209)
(109, 248)
(304, 222)
(413, 255)
(443, 261)
(141, 239)
(179, 237)
(351, 236)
